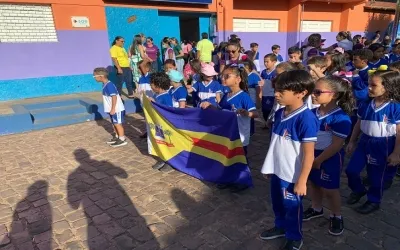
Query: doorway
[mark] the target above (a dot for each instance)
(189, 27)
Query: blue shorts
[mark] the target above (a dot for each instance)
(328, 176)
(118, 117)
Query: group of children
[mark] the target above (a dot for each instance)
(312, 109)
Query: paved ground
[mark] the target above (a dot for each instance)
(64, 188)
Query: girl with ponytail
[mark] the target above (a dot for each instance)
(335, 98)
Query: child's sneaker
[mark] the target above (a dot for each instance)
(310, 214)
(112, 140)
(119, 143)
(272, 233)
(336, 226)
(292, 245)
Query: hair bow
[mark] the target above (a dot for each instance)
(381, 68)
(339, 49)
(240, 65)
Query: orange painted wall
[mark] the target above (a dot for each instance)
(68, 2)
(62, 16)
(207, 8)
(316, 11)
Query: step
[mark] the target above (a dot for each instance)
(55, 112)
(45, 105)
(61, 121)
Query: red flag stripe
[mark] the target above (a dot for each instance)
(221, 149)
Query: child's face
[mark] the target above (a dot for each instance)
(208, 78)
(379, 53)
(268, 63)
(295, 57)
(168, 67)
(322, 93)
(255, 48)
(143, 69)
(314, 75)
(288, 97)
(98, 78)
(375, 87)
(396, 50)
(276, 51)
(229, 79)
(328, 60)
(359, 63)
(154, 88)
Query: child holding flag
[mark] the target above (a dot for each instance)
(178, 92)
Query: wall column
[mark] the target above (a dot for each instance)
(224, 18)
(293, 23)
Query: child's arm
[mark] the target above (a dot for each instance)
(300, 188)
(113, 104)
(354, 136)
(218, 97)
(251, 114)
(394, 157)
(331, 150)
(182, 104)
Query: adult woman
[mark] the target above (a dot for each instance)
(234, 55)
(178, 54)
(121, 63)
(344, 41)
(168, 51)
(153, 52)
(313, 46)
(137, 52)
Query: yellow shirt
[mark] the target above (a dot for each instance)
(121, 55)
(206, 47)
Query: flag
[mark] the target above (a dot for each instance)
(204, 144)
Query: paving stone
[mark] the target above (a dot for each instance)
(117, 212)
(39, 226)
(64, 237)
(101, 219)
(40, 202)
(93, 211)
(26, 246)
(46, 236)
(159, 229)
(105, 203)
(99, 175)
(4, 240)
(48, 245)
(73, 245)
(98, 243)
(3, 229)
(60, 226)
(125, 242)
(141, 233)
(112, 229)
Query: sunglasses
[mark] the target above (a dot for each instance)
(231, 51)
(122, 41)
(318, 92)
(225, 76)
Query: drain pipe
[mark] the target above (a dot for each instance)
(300, 23)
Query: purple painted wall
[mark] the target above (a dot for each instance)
(75, 53)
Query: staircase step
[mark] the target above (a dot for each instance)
(61, 111)
(45, 105)
(61, 121)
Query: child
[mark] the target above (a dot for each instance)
(275, 50)
(208, 90)
(169, 64)
(395, 55)
(238, 101)
(335, 98)
(144, 80)
(178, 91)
(192, 71)
(317, 66)
(294, 54)
(378, 58)
(256, 56)
(290, 156)
(360, 74)
(378, 148)
(113, 106)
(348, 55)
(395, 66)
(269, 73)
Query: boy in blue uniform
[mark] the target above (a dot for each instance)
(378, 58)
(294, 133)
(268, 93)
(113, 106)
(359, 81)
(275, 50)
(395, 55)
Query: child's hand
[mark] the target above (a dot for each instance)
(151, 99)
(393, 159)
(316, 164)
(112, 112)
(205, 105)
(242, 112)
(300, 189)
(355, 72)
(350, 148)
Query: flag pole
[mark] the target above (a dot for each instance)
(396, 22)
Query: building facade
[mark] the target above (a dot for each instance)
(50, 47)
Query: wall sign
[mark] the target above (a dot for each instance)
(80, 22)
(185, 1)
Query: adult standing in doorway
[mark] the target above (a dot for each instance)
(137, 52)
(153, 52)
(204, 49)
(180, 62)
(168, 51)
(120, 59)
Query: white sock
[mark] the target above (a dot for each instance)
(122, 138)
(318, 209)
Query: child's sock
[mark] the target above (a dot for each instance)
(317, 209)
(122, 138)
(339, 217)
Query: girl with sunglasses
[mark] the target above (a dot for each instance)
(335, 98)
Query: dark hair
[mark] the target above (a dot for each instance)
(248, 64)
(195, 64)
(375, 46)
(364, 54)
(204, 35)
(274, 47)
(167, 41)
(319, 61)
(137, 40)
(288, 66)
(252, 45)
(350, 53)
(338, 63)
(395, 46)
(150, 38)
(343, 90)
(116, 39)
(395, 65)
(345, 34)
(234, 43)
(170, 61)
(271, 57)
(161, 80)
(391, 83)
(296, 81)
(356, 39)
(367, 43)
(314, 40)
(239, 71)
(101, 71)
(293, 50)
(144, 63)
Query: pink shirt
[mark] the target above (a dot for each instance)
(187, 48)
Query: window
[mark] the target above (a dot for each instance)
(255, 25)
(26, 23)
(316, 26)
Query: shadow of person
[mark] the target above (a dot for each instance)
(112, 218)
(32, 219)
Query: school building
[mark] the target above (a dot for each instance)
(50, 47)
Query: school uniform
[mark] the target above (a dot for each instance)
(144, 85)
(178, 94)
(207, 92)
(335, 123)
(359, 85)
(268, 93)
(257, 62)
(284, 162)
(110, 90)
(377, 142)
(377, 64)
(349, 66)
(253, 80)
(279, 58)
(164, 98)
(240, 100)
(393, 58)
